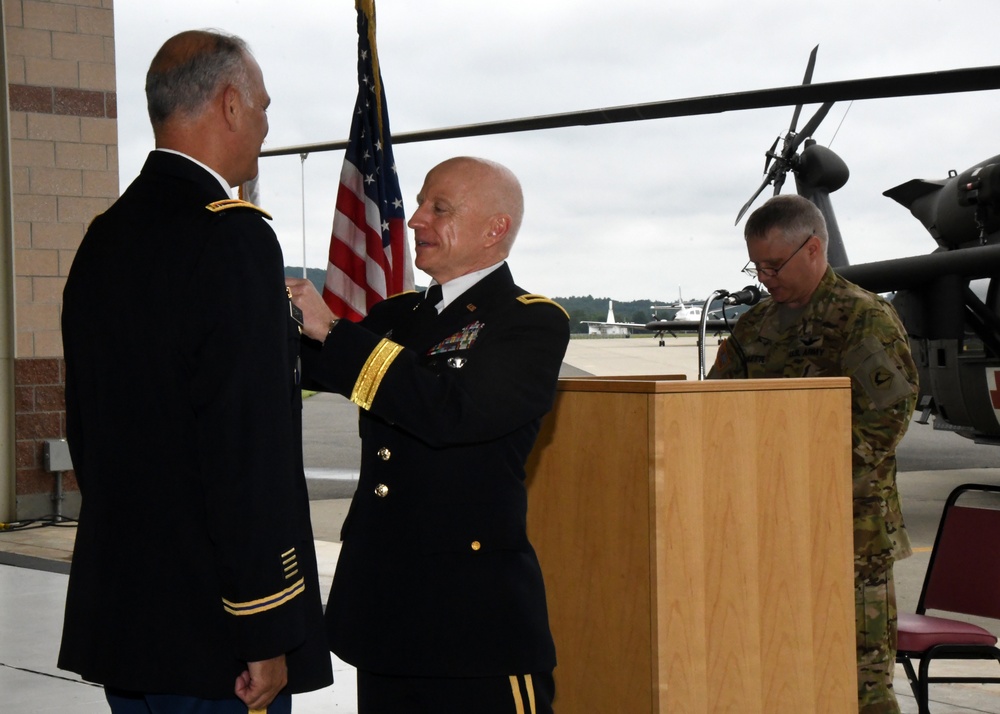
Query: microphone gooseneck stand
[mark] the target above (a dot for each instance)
(701, 330)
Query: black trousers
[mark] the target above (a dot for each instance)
(516, 694)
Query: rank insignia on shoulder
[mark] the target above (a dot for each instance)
(230, 203)
(531, 299)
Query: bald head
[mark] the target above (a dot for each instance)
(497, 188)
(469, 214)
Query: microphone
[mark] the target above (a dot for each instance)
(750, 295)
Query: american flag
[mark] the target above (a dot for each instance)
(369, 248)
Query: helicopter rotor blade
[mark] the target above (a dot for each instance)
(767, 179)
(788, 157)
(807, 79)
(769, 156)
(783, 162)
(811, 125)
(942, 82)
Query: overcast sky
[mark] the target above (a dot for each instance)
(630, 211)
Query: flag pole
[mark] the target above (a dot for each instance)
(302, 163)
(369, 257)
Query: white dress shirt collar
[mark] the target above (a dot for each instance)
(451, 290)
(222, 182)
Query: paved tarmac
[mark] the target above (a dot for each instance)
(34, 562)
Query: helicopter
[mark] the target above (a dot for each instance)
(951, 320)
(953, 329)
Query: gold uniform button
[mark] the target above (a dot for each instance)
(381, 490)
(476, 545)
(384, 454)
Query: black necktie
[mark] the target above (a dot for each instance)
(423, 314)
(432, 298)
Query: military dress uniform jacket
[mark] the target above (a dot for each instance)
(436, 576)
(194, 553)
(844, 331)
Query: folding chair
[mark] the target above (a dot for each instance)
(963, 577)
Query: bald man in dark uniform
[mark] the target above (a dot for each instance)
(193, 584)
(438, 597)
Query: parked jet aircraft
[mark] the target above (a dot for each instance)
(685, 312)
(687, 318)
(684, 318)
(610, 326)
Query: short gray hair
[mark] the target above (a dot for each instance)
(796, 217)
(190, 68)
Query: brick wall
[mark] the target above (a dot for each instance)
(40, 412)
(64, 154)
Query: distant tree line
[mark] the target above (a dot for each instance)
(580, 308)
(317, 276)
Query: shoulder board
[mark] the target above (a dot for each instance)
(405, 292)
(530, 299)
(227, 203)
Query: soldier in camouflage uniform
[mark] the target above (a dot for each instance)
(816, 324)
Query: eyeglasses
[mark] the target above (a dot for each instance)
(754, 271)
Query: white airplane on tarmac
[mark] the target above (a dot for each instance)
(610, 326)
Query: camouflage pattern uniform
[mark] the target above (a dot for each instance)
(847, 331)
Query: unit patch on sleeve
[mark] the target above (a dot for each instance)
(869, 364)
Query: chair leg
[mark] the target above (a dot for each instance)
(922, 688)
(911, 676)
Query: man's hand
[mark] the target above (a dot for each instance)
(261, 682)
(316, 316)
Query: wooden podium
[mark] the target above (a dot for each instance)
(696, 541)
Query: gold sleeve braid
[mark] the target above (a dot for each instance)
(290, 565)
(373, 371)
(255, 607)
